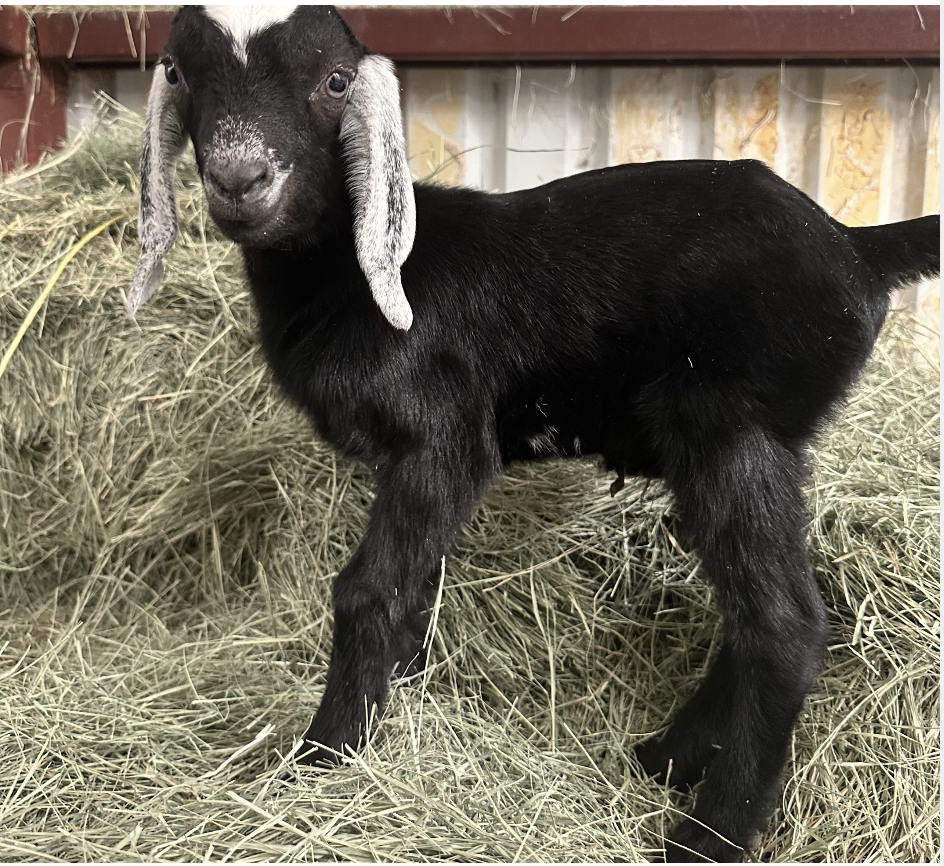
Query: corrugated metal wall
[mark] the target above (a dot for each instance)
(863, 141)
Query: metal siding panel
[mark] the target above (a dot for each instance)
(454, 125)
(553, 125)
(853, 138)
(747, 103)
(798, 127)
(434, 103)
(586, 140)
(928, 299)
(903, 165)
(932, 167)
(856, 132)
(487, 128)
(659, 113)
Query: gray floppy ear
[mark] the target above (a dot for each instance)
(157, 218)
(379, 183)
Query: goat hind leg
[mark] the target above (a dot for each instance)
(744, 505)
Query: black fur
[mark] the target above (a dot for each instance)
(694, 321)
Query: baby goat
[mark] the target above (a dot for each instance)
(693, 321)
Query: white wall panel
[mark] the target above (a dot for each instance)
(929, 109)
(554, 126)
(800, 96)
(453, 123)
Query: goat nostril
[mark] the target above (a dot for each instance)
(238, 178)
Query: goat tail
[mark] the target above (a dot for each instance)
(901, 252)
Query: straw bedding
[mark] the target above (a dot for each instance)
(170, 530)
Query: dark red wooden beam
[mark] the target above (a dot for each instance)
(32, 95)
(549, 33)
(32, 109)
(614, 33)
(14, 32)
(102, 37)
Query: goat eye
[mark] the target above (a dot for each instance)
(170, 73)
(337, 84)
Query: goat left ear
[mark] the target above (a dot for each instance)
(157, 218)
(379, 183)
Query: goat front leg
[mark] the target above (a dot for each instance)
(382, 597)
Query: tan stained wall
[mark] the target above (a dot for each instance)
(863, 141)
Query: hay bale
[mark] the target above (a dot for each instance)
(171, 528)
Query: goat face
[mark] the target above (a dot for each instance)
(269, 87)
(297, 134)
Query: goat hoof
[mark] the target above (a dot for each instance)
(679, 770)
(410, 666)
(692, 842)
(412, 653)
(310, 754)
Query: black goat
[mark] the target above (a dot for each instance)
(694, 321)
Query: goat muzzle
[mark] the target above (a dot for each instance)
(239, 190)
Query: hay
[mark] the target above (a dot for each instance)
(171, 529)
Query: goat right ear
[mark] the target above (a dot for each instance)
(379, 183)
(157, 218)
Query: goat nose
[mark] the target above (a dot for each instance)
(237, 178)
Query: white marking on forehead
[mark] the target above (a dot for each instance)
(243, 22)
